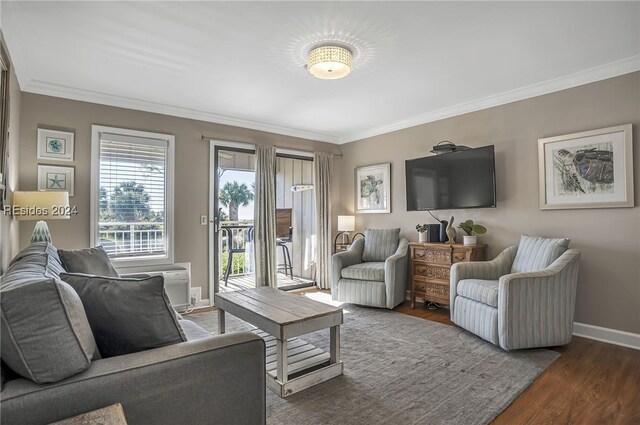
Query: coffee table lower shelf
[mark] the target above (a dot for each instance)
(307, 365)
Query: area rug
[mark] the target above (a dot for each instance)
(400, 369)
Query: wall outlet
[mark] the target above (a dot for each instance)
(196, 295)
(203, 220)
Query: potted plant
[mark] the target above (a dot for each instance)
(422, 235)
(469, 227)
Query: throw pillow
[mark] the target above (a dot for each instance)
(127, 315)
(536, 253)
(93, 261)
(46, 336)
(380, 244)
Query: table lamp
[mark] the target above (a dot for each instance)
(41, 205)
(346, 224)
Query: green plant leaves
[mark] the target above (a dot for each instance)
(470, 228)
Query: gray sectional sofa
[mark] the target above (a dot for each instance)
(205, 380)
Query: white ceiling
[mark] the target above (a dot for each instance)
(242, 63)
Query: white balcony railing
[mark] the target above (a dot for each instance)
(119, 238)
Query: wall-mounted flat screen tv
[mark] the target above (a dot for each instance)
(463, 179)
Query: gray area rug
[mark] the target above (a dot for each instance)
(401, 370)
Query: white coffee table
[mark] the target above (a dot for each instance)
(282, 317)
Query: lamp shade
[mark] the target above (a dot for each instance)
(41, 205)
(329, 62)
(346, 223)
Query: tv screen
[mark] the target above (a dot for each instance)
(464, 179)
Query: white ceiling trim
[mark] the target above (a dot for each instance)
(586, 76)
(57, 90)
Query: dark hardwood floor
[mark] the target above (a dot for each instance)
(591, 383)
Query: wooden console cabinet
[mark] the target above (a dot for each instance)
(430, 266)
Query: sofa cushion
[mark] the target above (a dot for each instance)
(34, 263)
(484, 291)
(373, 271)
(380, 244)
(93, 261)
(536, 253)
(193, 331)
(127, 315)
(46, 336)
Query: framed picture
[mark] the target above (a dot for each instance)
(373, 189)
(592, 169)
(55, 145)
(53, 178)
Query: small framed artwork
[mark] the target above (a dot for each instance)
(55, 145)
(373, 189)
(53, 178)
(591, 169)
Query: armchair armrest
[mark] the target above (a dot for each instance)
(395, 275)
(344, 259)
(536, 309)
(221, 378)
(486, 270)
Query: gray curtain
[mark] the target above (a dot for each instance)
(265, 217)
(322, 167)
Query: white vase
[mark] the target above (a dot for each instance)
(422, 236)
(470, 240)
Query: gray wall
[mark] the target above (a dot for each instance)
(609, 285)
(9, 228)
(191, 162)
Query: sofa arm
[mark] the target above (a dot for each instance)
(395, 275)
(536, 309)
(486, 270)
(344, 259)
(219, 380)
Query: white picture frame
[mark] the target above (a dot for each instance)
(55, 145)
(590, 169)
(54, 178)
(373, 189)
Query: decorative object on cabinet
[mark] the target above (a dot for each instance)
(53, 178)
(451, 232)
(430, 267)
(422, 232)
(591, 169)
(54, 145)
(470, 228)
(373, 188)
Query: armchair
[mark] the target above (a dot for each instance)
(373, 272)
(524, 298)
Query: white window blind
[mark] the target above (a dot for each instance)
(132, 195)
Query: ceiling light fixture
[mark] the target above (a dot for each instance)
(329, 62)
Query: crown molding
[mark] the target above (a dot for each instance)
(587, 76)
(66, 92)
(590, 75)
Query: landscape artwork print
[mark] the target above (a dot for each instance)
(587, 170)
(373, 189)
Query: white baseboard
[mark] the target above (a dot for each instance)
(611, 336)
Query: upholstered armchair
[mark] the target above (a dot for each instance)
(373, 272)
(524, 298)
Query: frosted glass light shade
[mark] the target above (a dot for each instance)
(329, 62)
(346, 223)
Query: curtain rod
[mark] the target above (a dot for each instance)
(203, 137)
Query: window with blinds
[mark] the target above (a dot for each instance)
(133, 195)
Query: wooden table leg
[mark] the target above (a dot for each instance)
(335, 344)
(221, 324)
(282, 361)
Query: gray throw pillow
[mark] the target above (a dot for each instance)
(536, 253)
(127, 315)
(93, 261)
(46, 336)
(380, 244)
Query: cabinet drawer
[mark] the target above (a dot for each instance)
(439, 256)
(459, 256)
(431, 272)
(437, 291)
(419, 286)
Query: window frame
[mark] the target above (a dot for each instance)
(137, 260)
